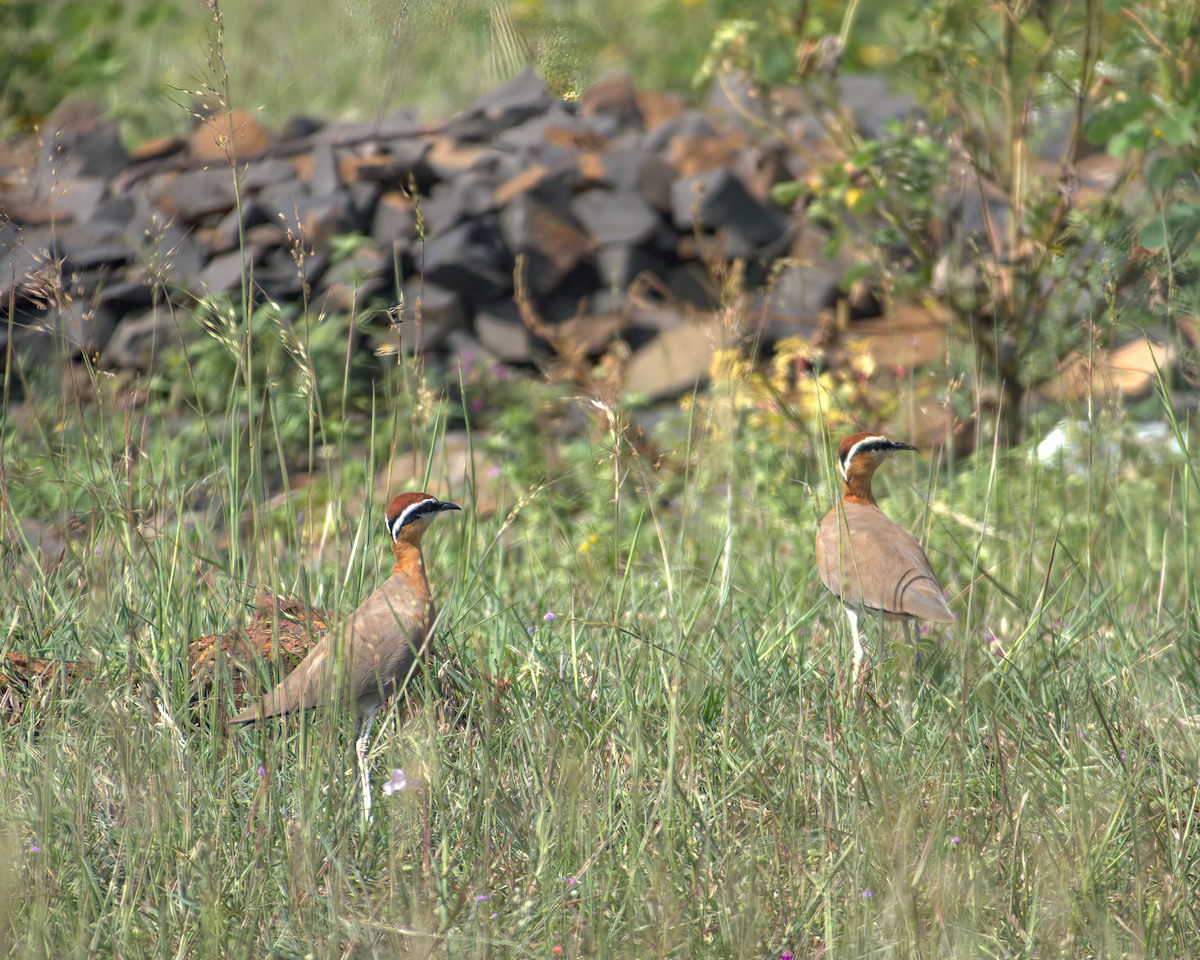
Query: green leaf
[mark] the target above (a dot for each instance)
(1163, 172)
(1152, 236)
(786, 193)
(1176, 130)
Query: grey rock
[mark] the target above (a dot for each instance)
(675, 361)
(716, 199)
(137, 341)
(619, 263)
(86, 246)
(267, 172)
(395, 220)
(870, 101)
(325, 177)
(690, 283)
(224, 272)
(85, 326)
(194, 194)
(615, 216)
(500, 330)
(471, 260)
(531, 135)
(467, 196)
(233, 226)
(511, 103)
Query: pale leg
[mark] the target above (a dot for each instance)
(858, 669)
(908, 679)
(361, 743)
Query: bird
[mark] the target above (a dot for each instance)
(869, 563)
(378, 649)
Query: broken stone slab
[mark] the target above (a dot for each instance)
(441, 315)
(549, 237)
(636, 170)
(522, 97)
(547, 136)
(395, 220)
(467, 196)
(677, 360)
(461, 470)
(350, 284)
(86, 246)
(314, 221)
(194, 194)
(279, 277)
(138, 341)
(690, 283)
(29, 332)
(224, 272)
(172, 256)
(500, 330)
(28, 263)
(717, 199)
(235, 226)
(471, 260)
(611, 216)
(74, 198)
(689, 122)
(657, 107)
(869, 99)
(1127, 373)
(618, 264)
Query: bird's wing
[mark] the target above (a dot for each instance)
(855, 542)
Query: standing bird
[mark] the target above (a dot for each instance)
(865, 560)
(378, 649)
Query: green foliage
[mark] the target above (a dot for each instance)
(277, 365)
(53, 49)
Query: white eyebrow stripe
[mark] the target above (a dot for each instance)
(407, 515)
(864, 442)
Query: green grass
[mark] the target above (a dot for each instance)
(670, 766)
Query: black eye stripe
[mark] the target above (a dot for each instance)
(410, 513)
(868, 445)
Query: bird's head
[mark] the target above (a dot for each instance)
(858, 457)
(408, 514)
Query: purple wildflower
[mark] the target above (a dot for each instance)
(398, 782)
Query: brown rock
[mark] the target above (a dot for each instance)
(676, 360)
(1128, 372)
(234, 134)
(692, 155)
(450, 155)
(657, 108)
(911, 336)
(528, 178)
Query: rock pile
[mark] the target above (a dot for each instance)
(618, 205)
(621, 209)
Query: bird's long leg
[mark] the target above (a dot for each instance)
(362, 740)
(859, 666)
(908, 687)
